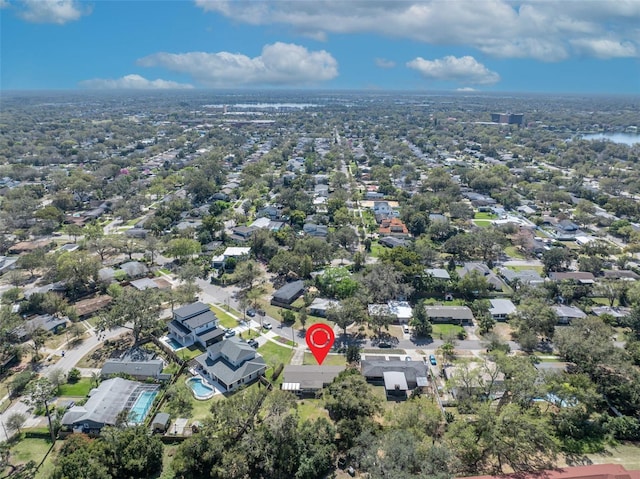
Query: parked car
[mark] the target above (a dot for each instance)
(251, 312)
(253, 343)
(405, 328)
(432, 360)
(267, 326)
(384, 344)
(229, 333)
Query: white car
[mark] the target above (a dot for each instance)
(405, 328)
(267, 326)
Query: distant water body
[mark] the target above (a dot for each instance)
(625, 138)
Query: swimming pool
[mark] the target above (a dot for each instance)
(141, 407)
(173, 343)
(200, 390)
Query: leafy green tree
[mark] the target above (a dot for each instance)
(556, 259)
(348, 311)
(181, 248)
(137, 310)
(420, 323)
(32, 261)
(41, 393)
(78, 269)
(15, 422)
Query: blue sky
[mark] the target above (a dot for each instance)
(485, 45)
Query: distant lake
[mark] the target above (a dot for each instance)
(625, 138)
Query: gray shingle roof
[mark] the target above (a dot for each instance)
(311, 377)
(190, 310)
(149, 368)
(289, 291)
(411, 369)
(200, 319)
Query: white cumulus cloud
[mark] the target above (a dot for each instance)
(52, 11)
(542, 29)
(462, 70)
(132, 82)
(278, 64)
(384, 63)
(605, 47)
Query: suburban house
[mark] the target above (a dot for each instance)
(398, 377)
(134, 269)
(139, 233)
(524, 276)
(494, 281)
(391, 242)
(319, 306)
(105, 404)
(242, 233)
(236, 252)
(449, 314)
(617, 313)
(582, 277)
(87, 307)
(141, 370)
(438, 273)
(195, 323)
(400, 311)
(232, 363)
(288, 293)
(566, 314)
(46, 322)
(266, 223)
(318, 231)
(501, 308)
(393, 227)
(306, 381)
(621, 274)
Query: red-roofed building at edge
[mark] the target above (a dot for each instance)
(595, 471)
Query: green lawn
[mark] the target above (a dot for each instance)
(376, 249)
(274, 354)
(330, 360)
(522, 268)
(186, 354)
(79, 389)
(225, 318)
(32, 449)
(311, 409)
(482, 223)
(514, 252)
(484, 216)
(446, 329)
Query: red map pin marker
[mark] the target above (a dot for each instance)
(320, 338)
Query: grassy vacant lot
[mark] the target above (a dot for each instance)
(376, 248)
(484, 216)
(513, 252)
(31, 449)
(79, 389)
(482, 223)
(311, 409)
(274, 354)
(445, 329)
(330, 360)
(225, 318)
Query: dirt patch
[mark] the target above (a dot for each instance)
(112, 348)
(503, 331)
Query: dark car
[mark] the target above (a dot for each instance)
(432, 360)
(251, 312)
(253, 343)
(384, 344)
